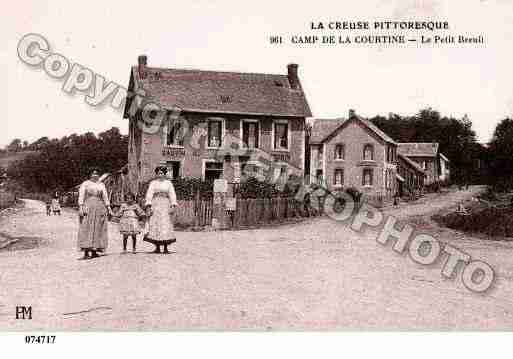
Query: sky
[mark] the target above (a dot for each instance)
(108, 36)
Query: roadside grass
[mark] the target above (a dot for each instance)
(6, 200)
(496, 223)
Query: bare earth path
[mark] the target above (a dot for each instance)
(314, 275)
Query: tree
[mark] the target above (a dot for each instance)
(15, 145)
(456, 138)
(60, 164)
(501, 154)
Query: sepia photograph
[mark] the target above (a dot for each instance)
(220, 166)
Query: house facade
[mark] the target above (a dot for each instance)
(426, 155)
(411, 177)
(353, 152)
(210, 124)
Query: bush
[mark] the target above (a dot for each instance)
(493, 222)
(189, 188)
(253, 188)
(501, 184)
(355, 194)
(433, 187)
(185, 189)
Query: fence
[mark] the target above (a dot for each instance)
(252, 212)
(248, 212)
(197, 213)
(377, 200)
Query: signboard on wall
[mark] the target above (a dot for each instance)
(220, 185)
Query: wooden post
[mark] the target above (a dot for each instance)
(219, 209)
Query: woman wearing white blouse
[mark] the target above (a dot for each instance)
(160, 206)
(94, 207)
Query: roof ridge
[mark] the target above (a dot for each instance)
(425, 143)
(212, 71)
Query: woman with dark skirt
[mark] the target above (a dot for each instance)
(94, 209)
(160, 206)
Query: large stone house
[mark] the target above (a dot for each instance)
(230, 124)
(425, 154)
(353, 152)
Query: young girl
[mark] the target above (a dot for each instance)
(56, 206)
(130, 213)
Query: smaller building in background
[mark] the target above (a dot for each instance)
(411, 177)
(445, 168)
(355, 153)
(426, 155)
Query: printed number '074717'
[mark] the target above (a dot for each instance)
(40, 339)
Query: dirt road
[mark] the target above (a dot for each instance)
(314, 275)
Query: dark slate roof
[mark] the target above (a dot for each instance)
(418, 149)
(323, 128)
(223, 92)
(413, 164)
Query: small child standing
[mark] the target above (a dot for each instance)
(130, 213)
(48, 208)
(56, 206)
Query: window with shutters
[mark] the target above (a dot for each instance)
(250, 134)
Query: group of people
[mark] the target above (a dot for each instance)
(53, 206)
(95, 211)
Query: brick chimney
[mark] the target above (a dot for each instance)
(142, 61)
(292, 75)
(352, 114)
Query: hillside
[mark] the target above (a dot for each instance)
(6, 159)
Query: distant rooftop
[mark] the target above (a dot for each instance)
(420, 149)
(323, 128)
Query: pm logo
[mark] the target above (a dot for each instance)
(23, 312)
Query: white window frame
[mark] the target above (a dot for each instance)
(241, 132)
(223, 131)
(373, 152)
(372, 177)
(338, 185)
(204, 166)
(343, 152)
(180, 172)
(167, 127)
(280, 121)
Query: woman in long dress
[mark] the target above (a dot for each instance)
(94, 209)
(160, 206)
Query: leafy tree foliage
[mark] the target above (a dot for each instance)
(456, 138)
(500, 156)
(63, 163)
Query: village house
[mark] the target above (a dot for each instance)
(411, 177)
(230, 124)
(425, 154)
(353, 152)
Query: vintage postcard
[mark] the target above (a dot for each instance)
(263, 166)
